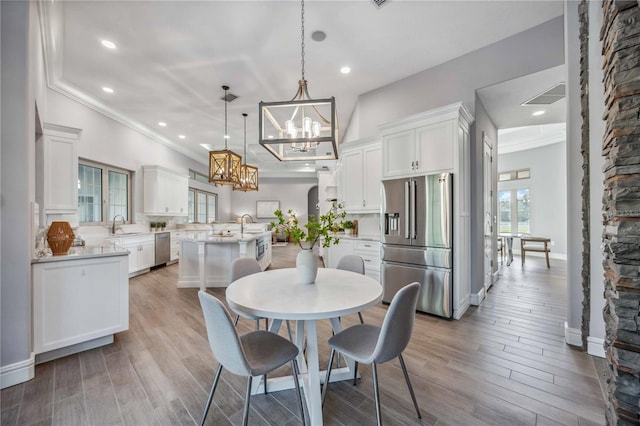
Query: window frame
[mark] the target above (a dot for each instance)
(207, 194)
(513, 211)
(105, 168)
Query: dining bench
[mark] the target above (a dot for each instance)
(536, 244)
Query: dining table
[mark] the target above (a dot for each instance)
(276, 294)
(509, 240)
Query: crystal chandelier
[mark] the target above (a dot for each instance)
(300, 129)
(224, 165)
(248, 174)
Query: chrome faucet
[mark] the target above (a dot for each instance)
(242, 221)
(113, 227)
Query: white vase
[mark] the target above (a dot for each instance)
(306, 266)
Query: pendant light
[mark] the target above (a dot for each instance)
(301, 129)
(248, 174)
(224, 165)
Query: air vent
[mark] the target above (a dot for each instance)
(380, 3)
(548, 97)
(229, 98)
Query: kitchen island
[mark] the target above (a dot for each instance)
(205, 258)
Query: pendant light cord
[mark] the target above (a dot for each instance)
(225, 116)
(302, 36)
(245, 138)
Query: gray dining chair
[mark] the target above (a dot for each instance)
(253, 354)
(368, 344)
(241, 267)
(353, 263)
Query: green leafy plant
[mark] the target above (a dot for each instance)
(307, 236)
(347, 224)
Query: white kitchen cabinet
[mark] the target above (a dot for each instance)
(361, 176)
(368, 250)
(336, 251)
(57, 158)
(175, 245)
(420, 150)
(78, 300)
(166, 192)
(141, 250)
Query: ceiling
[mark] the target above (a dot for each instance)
(172, 57)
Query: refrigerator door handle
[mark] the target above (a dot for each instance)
(406, 211)
(413, 209)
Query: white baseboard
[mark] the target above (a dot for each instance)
(476, 299)
(572, 336)
(18, 372)
(462, 307)
(595, 347)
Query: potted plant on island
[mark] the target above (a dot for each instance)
(321, 228)
(152, 225)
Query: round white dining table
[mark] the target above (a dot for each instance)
(275, 294)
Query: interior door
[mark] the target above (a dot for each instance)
(489, 251)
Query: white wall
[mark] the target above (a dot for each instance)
(547, 191)
(292, 194)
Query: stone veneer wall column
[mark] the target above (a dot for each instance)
(620, 37)
(583, 12)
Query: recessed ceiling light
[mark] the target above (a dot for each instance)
(306, 164)
(162, 124)
(538, 113)
(108, 44)
(318, 35)
(227, 137)
(270, 137)
(182, 136)
(107, 89)
(345, 70)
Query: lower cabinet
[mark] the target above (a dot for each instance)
(141, 252)
(75, 301)
(369, 251)
(175, 245)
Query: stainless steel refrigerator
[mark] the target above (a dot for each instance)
(417, 240)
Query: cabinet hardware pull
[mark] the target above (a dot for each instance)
(417, 166)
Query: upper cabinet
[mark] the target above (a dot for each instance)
(57, 158)
(361, 174)
(422, 144)
(166, 192)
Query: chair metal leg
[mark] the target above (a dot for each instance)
(257, 324)
(376, 393)
(355, 373)
(294, 366)
(289, 331)
(235, 321)
(213, 390)
(406, 377)
(264, 379)
(245, 414)
(326, 379)
(546, 253)
(360, 316)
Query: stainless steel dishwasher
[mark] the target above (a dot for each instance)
(163, 248)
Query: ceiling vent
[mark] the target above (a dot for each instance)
(380, 3)
(548, 97)
(229, 97)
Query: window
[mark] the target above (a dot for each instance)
(514, 175)
(514, 211)
(202, 206)
(103, 193)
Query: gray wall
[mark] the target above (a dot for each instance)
(533, 50)
(17, 157)
(547, 191)
(482, 124)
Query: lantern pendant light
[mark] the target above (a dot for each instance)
(301, 129)
(224, 165)
(248, 174)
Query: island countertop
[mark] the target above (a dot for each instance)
(226, 237)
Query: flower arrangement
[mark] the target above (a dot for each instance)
(308, 235)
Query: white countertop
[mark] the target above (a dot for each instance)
(225, 238)
(76, 253)
(363, 237)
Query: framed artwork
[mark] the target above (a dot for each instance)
(265, 209)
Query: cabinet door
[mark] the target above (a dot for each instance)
(353, 180)
(372, 168)
(435, 146)
(181, 195)
(60, 175)
(398, 154)
(336, 251)
(133, 256)
(146, 255)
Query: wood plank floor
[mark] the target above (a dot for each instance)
(504, 363)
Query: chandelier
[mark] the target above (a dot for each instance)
(300, 129)
(224, 165)
(248, 174)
